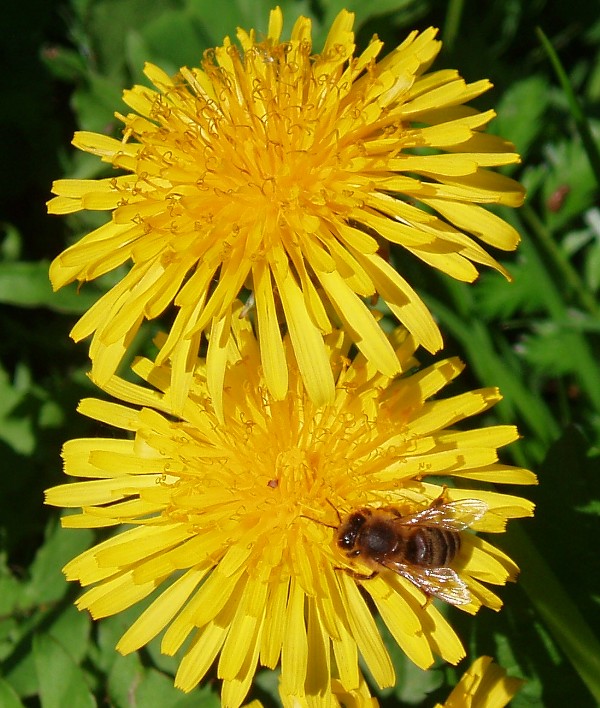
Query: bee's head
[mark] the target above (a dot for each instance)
(349, 530)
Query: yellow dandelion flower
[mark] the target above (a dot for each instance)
(236, 525)
(284, 173)
(340, 696)
(484, 685)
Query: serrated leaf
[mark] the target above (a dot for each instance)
(61, 681)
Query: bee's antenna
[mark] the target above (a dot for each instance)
(337, 513)
(318, 521)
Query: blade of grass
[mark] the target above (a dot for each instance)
(554, 605)
(579, 117)
(583, 362)
(452, 23)
(562, 264)
(490, 367)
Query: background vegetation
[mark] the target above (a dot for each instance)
(65, 65)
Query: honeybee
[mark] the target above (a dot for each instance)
(420, 547)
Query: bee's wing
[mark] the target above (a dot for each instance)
(439, 582)
(454, 516)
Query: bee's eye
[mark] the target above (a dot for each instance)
(347, 540)
(350, 530)
(358, 520)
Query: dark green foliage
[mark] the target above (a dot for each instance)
(65, 65)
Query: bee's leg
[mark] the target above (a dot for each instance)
(442, 498)
(358, 576)
(428, 601)
(395, 512)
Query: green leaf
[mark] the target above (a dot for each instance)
(64, 64)
(20, 669)
(48, 584)
(109, 631)
(204, 697)
(10, 589)
(72, 629)
(124, 679)
(218, 20)
(581, 120)
(528, 97)
(96, 102)
(413, 685)
(173, 37)
(15, 429)
(548, 350)
(366, 11)
(26, 284)
(8, 697)
(591, 266)
(157, 689)
(62, 682)
(569, 170)
(559, 551)
(12, 242)
(499, 300)
(107, 22)
(166, 664)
